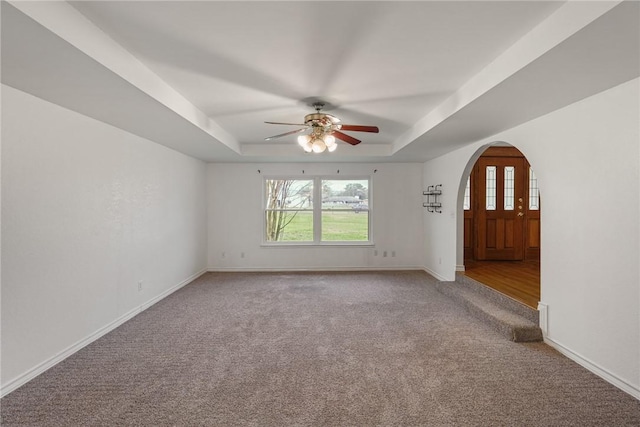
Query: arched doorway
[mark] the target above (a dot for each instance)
(501, 210)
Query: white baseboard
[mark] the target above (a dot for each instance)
(634, 391)
(304, 269)
(24, 378)
(171, 290)
(460, 268)
(436, 275)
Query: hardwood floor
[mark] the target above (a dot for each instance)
(519, 280)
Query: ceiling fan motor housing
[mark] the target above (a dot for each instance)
(321, 122)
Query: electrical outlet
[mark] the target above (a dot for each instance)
(140, 286)
(241, 254)
(224, 254)
(384, 254)
(439, 260)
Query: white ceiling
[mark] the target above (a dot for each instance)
(202, 77)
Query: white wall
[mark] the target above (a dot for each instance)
(88, 210)
(236, 216)
(587, 160)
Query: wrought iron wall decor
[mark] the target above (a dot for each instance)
(433, 194)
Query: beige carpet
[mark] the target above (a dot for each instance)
(311, 349)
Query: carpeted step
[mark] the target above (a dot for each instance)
(499, 298)
(492, 310)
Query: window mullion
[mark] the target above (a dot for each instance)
(317, 209)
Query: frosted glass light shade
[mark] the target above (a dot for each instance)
(318, 145)
(303, 139)
(329, 140)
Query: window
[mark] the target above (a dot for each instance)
(345, 210)
(491, 189)
(509, 187)
(289, 210)
(466, 204)
(534, 195)
(316, 210)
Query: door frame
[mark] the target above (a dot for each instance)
(463, 217)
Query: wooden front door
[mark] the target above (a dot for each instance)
(501, 196)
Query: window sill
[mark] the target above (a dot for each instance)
(318, 245)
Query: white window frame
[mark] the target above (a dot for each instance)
(317, 210)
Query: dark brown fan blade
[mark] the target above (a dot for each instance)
(291, 124)
(346, 138)
(359, 128)
(287, 133)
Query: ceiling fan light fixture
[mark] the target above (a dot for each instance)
(323, 129)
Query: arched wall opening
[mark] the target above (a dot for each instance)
(498, 227)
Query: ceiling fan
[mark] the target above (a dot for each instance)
(323, 130)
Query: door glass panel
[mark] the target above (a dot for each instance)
(509, 177)
(466, 204)
(491, 188)
(534, 196)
